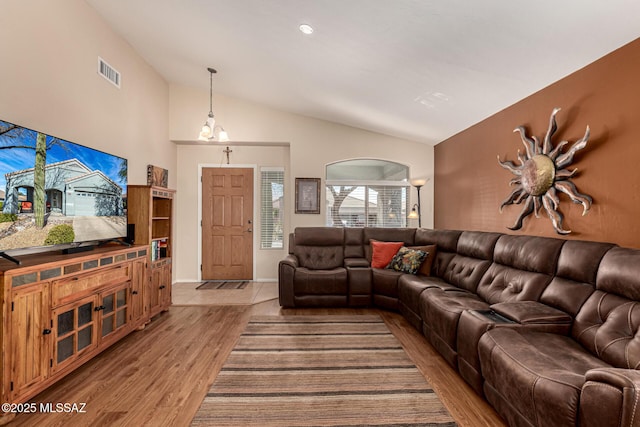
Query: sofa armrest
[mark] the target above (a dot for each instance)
(356, 263)
(531, 313)
(610, 397)
(286, 273)
(291, 260)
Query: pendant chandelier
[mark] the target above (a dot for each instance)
(209, 129)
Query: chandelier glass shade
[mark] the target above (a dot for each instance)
(209, 128)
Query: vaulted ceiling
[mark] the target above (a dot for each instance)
(416, 69)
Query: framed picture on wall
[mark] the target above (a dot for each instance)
(307, 195)
(157, 177)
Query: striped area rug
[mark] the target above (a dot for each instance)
(320, 371)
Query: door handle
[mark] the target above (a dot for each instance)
(249, 230)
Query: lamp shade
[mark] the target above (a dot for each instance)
(418, 182)
(413, 214)
(206, 133)
(223, 136)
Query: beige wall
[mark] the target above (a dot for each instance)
(191, 159)
(48, 82)
(311, 144)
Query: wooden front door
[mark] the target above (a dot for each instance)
(227, 224)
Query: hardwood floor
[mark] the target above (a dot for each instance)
(159, 376)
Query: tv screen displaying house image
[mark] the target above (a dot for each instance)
(55, 192)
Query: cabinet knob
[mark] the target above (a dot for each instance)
(162, 286)
(134, 292)
(46, 332)
(99, 307)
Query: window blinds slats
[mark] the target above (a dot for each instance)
(366, 206)
(271, 208)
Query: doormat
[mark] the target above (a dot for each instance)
(320, 371)
(223, 284)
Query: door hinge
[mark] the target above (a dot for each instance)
(11, 385)
(200, 267)
(12, 306)
(51, 363)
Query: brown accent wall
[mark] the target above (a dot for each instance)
(470, 185)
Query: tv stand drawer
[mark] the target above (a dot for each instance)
(69, 289)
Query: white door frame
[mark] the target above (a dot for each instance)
(253, 214)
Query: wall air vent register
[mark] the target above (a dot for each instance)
(108, 72)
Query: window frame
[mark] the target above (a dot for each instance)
(264, 244)
(367, 184)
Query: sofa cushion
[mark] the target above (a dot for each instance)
(353, 242)
(408, 260)
(320, 282)
(477, 244)
(319, 236)
(522, 268)
(471, 261)
(409, 289)
(319, 248)
(619, 273)
(608, 323)
(404, 235)
(528, 253)
(608, 326)
(440, 311)
(502, 283)
(575, 278)
(534, 378)
(425, 268)
(385, 282)
(446, 240)
(383, 253)
(465, 272)
(384, 285)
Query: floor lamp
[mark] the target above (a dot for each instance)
(415, 210)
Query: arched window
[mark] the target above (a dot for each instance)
(367, 193)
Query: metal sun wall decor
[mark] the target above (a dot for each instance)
(543, 172)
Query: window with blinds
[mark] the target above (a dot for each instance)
(271, 208)
(367, 193)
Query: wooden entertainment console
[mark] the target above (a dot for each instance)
(59, 311)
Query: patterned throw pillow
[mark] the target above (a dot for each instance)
(408, 260)
(425, 269)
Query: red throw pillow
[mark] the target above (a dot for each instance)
(383, 253)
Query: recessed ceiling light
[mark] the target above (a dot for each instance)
(306, 28)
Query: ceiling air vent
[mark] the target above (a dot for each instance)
(108, 72)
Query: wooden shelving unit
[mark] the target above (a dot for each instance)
(150, 212)
(59, 311)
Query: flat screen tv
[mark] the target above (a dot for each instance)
(57, 194)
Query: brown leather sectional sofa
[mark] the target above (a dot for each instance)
(547, 330)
